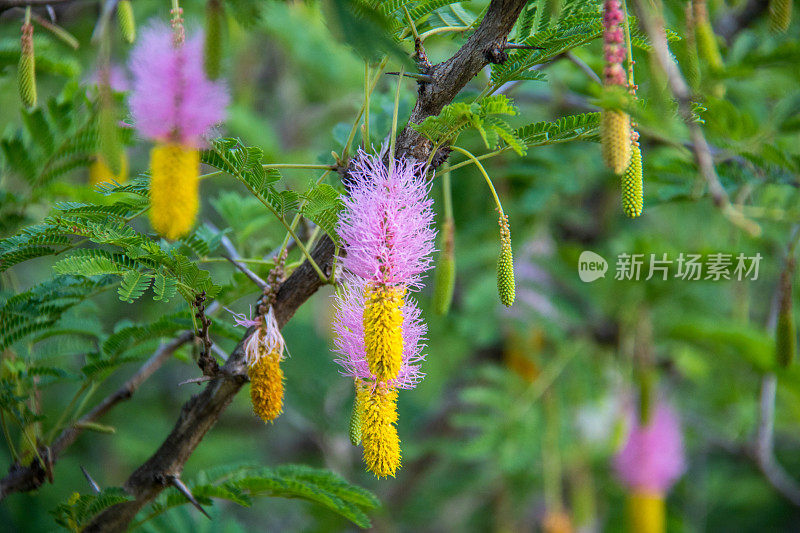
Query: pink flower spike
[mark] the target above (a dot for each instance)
(386, 223)
(653, 457)
(348, 324)
(172, 99)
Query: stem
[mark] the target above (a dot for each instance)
(627, 27)
(393, 139)
(411, 25)
(7, 435)
(66, 411)
(481, 157)
(443, 29)
(300, 165)
(375, 79)
(367, 94)
(485, 176)
(209, 175)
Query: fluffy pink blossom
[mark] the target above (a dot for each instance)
(172, 99)
(348, 324)
(386, 223)
(652, 458)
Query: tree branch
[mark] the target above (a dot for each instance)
(201, 412)
(26, 478)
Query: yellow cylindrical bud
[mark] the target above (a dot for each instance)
(780, 15)
(266, 386)
(378, 431)
(506, 285)
(173, 189)
(646, 512)
(383, 330)
(355, 418)
(126, 20)
(615, 136)
(632, 186)
(445, 271)
(212, 56)
(100, 173)
(26, 73)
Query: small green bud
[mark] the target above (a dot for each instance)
(632, 187)
(26, 73)
(355, 421)
(780, 15)
(505, 265)
(213, 45)
(445, 271)
(126, 20)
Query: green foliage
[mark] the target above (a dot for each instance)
(240, 484)
(457, 117)
(79, 509)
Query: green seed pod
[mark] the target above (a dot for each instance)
(110, 146)
(26, 73)
(126, 20)
(213, 44)
(632, 188)
(505, 265)
(785, 335)
(355, 420)
(445, 272)
(615, 137)
(780, 15)
(705, 37)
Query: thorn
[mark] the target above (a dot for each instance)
(512, 46)
(92, 483)
(183, 489)
(201, 379)
(424, 78)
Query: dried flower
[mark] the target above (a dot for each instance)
(652, 458)
(263, 352)
(378, 431)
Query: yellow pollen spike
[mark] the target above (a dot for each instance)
(383, 330)
(647, 514)
(378, 432)
(173, 189)
(615, 136)
(100, 173)
(266, 387)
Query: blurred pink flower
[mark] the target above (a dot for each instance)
(386, 223)
(348, 324)
(172, 99)
(653, 457)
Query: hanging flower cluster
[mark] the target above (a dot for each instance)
(386, 229)
(649, 464)
(615, 126)
(174, 104)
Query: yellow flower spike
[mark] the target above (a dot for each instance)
(615, 135)
(646, 511)
(632, 187)
(100, 173)
(378, 431)
(383, 330)
(780, 15)
(266, 386)
(174, 201)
